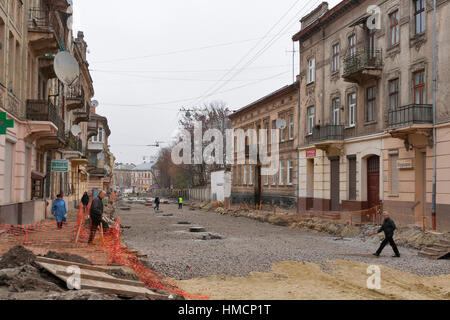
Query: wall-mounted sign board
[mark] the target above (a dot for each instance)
(405, 164)
(60, 165)
(312, 153)
(5, 123)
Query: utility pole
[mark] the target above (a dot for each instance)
(293, 60)
(433, 208)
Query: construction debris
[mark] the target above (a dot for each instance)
(410, 237)
(24, 276)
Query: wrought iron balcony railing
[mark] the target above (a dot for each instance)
(328, 133)
(410, 115)
(42, 110)
(361, 60)
(75, 91)
(38, 18)
(74, 143)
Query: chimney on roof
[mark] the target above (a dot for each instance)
(314, 15)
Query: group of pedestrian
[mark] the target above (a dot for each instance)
(59, 210)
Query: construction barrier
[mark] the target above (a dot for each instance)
(106, 249)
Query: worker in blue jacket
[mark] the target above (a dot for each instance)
(59, 211)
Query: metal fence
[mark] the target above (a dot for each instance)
(411, 114)
(363, 59)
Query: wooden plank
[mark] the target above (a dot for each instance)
(68, 263)
(98, 279)
(105, 279)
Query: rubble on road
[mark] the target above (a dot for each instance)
(410, 237)
(21, 278)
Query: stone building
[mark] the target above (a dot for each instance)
(123, 175)
(51, 120)
(143, 177)
(366, 109)
(248, 184)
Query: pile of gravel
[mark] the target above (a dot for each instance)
(67, 257)
(17, 257)
(120, 274)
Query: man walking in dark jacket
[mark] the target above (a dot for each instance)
(157, 202)
(388, 228)
(96, 214)
(85, 201)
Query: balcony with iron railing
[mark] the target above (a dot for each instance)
(363, 65)
(74, 143)
(44, 31)
(43, 110)
(75, 96)
(407, 116)
(328, 133)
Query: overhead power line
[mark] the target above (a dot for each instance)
(185, 71)
(181, 50)
(251, 50)
(263, 49)
(155, 105)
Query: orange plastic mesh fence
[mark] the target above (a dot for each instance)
(105, 250)
(359, 217)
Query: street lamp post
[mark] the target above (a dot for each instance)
(433, 208)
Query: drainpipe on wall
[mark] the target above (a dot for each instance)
(433, 208)
(298, 127)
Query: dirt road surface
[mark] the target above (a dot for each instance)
(255, 260)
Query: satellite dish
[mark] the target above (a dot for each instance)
(76, 130)
(70, 22)
(281, 124)
(95, 103)
(66, 67)
(101, 156)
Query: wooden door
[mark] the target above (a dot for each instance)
(335, 184)
(373, 181)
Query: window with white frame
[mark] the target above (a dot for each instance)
(100, 135)
(291, 127)
(282, 132)
(311, 77)
(336, 111)
(281, 181)
(250, 179)
(290, 171)
(335, 64)
(311, 120)
(274, 180)
(266, 180)
(352, 109)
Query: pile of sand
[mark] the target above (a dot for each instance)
(338, 280)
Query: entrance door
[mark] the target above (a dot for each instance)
(335, 181)
(310, 184)
(9, 149)
(373, 181)
(258, 187)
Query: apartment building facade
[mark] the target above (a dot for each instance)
(143, 177)
(51, 120)
(366, 109)
(248, 184)
(123, 174)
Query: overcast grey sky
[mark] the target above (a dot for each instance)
(149, 58)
